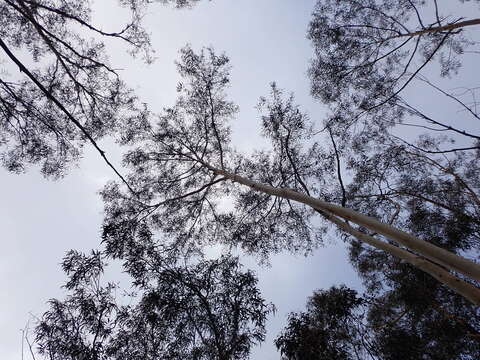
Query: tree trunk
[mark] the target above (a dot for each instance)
(434, 253)
(461, 287)
(439, 28)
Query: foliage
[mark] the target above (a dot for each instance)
(425, 186)
(179, 195)
(69, 92)
(181, 168)
(331, 328)
(189, 188)
(367, 52)
(207, 310)
(341, 325)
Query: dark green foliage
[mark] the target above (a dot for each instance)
(207, 310)
(340, 325)
(331, 328)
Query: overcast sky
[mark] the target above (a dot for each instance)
(40, 220)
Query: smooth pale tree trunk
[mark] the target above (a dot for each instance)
(427, 250)
(447, 27)
(461, 287)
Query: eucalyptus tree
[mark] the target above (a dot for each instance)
(340, 324)
(367, 52)
(209, 309)
(185, 174)
(434, 196)
(67, 92)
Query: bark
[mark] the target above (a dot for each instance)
(448, 27)
(434, 253)
(460, 286)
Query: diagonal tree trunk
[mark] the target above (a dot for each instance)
(434, 253)
(448, 27)
(460, 286)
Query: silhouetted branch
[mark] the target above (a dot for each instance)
(50, 96)
(435, 151)
(339, 172)
(417, 112)
(425, 80)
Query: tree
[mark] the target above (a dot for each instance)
(435, 197)
(182, 168)
(368, 52)
(339, 324)
(361, 65)
(207, 310)
(68, 93)
(424, 186)
(173, 204)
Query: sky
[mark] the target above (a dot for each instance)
(41, 219)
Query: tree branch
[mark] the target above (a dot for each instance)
(339, 172)
(52, 98)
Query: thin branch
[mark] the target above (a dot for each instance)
(436, 12)
(421, 126)
(451, 172)
(339, 172)
(417, 13)
(50, 96)
(214, 126)
(421, 78)
(392, 322)
(193, 192)
(402, 104)
(30, 347)
(412, 76)
(84, 23)
(292, 162)
(435, 151)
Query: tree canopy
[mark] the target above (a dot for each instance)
(210, 309)
(368, 52)
(407, 207)
(68, 92)
(340, 324)
(182, 169)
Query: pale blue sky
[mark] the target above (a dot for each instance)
(41, 220)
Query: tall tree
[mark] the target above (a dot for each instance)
(67, 93)
(366, 54)
(210, 309)
(435, 197)
(183, 168)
